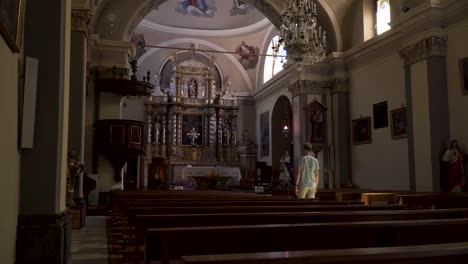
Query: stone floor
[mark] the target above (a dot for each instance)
(89, 244)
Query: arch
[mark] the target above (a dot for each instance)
(282, 111)
(205, 43)
(113, 21)
(336, 26)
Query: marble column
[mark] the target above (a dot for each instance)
(427, 110)
(44, 221)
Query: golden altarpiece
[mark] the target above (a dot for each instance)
(190, 123)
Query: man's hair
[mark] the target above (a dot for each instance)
(308, 147)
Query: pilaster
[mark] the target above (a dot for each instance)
(43, 224)
(427, 109)
(341, 133)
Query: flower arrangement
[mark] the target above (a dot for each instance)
(285, 185)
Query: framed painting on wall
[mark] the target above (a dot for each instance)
(11, 22)
(399, 123)
(265, 134)
(464, 75)
(362, 132)
(380, 115)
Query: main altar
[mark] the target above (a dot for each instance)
(190, 123)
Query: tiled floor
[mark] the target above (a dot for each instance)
(89, 244)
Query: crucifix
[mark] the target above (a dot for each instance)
(193, 134)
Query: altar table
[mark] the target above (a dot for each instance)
(233, 172)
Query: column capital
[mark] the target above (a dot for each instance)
(81, 20)
(309, 87)
(434, 46)
(340, 85)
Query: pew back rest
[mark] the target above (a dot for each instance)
(172, 243)
(447, 253)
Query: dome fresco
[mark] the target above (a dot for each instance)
(205, 14)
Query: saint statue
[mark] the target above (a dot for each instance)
(172, 90)
(317, 126)
(455, 171)
(192, 88)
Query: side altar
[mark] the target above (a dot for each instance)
(192, 122)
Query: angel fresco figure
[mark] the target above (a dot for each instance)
(248, 55)
(239, 8)
(199, 8)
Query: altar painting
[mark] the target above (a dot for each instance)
(192, 130)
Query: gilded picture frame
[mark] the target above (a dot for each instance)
(399, 123)
(11, 22)
(362, 131)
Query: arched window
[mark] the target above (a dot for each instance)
(383, 16)
(273, 64)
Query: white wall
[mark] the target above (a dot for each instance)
(383, 164)
(9, 155)
(458, 103)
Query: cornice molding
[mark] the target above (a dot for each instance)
(109, 53)
(430, 47)
(309, 87)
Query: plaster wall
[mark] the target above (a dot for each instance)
(9, 154)
(382, 164)
(458, 100)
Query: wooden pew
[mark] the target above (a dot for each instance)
(368, 198)
(433, 200)
(144, 222)
(447, 253)
(172, 243)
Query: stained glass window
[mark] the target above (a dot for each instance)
(383, 16)
(273, 64)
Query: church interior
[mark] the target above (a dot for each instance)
(174, 131)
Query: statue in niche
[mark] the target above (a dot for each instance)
(157, 131)
(192, 91)
(172, 90)
(317, 125)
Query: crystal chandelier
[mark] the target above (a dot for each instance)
(301, 35)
